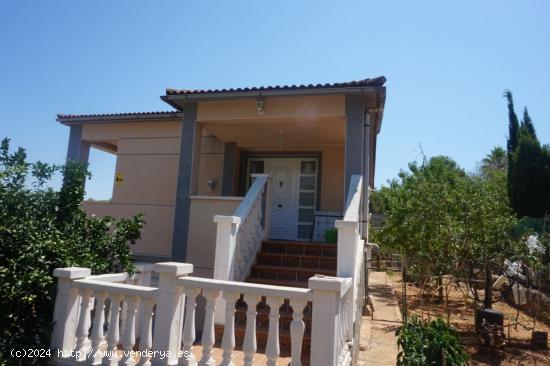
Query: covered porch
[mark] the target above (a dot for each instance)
(309, 146)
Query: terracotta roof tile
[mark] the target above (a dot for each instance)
(129, 114)
(377, 81)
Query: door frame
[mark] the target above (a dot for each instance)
(246, 155)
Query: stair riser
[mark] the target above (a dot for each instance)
(300, 249)
(287, 274)
(303, 262)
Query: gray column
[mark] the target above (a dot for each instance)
(77, 150)
(183, 189)
(229, 157)
(354, 138)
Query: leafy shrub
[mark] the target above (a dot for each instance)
(426, 343)
(42, 229)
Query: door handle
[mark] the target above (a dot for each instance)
(279, 205)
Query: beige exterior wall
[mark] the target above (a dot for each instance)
(201, 241)
(210, 164)
(147, 159)
(306, 107)
(332, 179)
(156, 238)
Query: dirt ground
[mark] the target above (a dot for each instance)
(517, 350)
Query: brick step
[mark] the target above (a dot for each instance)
(268, 281)
(299, 248)
(297, 260)
(287, 273)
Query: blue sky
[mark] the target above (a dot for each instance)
(447, 65)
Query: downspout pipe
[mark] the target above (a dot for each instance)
(366, 175)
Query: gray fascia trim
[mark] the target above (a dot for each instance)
(174, 98)
(70, 121)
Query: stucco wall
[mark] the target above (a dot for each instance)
(275, 107)
(156, 238)
(201, 244)
(210, 164)
(332, 179)
(147, 160)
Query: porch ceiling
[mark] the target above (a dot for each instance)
(277, 134)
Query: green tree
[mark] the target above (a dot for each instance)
(529, 166)
(494, 163)
(447, 222)
(422, 208)
(42, 229)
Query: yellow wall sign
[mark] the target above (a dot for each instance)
(119, 179)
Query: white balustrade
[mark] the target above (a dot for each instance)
(297, 329)
(350, 250)
(171, 308)
(189, 328)
(329, 345)
(249, 344)
(146, 331)
(228, 340)
(239, 237)
(98, 337)
(208, 335)
(113, 334)
(272, 348)
(83, 343)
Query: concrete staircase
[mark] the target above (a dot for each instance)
(284, 263)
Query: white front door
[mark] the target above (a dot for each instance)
(293, 195)
(284, 208)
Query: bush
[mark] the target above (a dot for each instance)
(42, 229)
(426, 343)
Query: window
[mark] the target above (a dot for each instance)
(307, 198)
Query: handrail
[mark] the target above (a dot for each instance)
(118, 288)
(244, 208)
(247, 288)
(239, 235)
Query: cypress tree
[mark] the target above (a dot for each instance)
(527, 185)
(528, 124)
(513, 124)
(528, 166)
(511, 145)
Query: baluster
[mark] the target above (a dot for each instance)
(98, 337)
(130, 330)
(272, 349)
(189, 326)
(113, 334)
(249, 344)
(146, 331)
(123, 312)
(297, 328)
(228, 340)
(208, 337)
(84, 321)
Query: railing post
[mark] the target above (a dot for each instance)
(144, 279)
(325, 322)
(226, 240)
(169, 312)
(66, 310)
(348, 239)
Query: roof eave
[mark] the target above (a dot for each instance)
(178, 100)
(80, 120)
